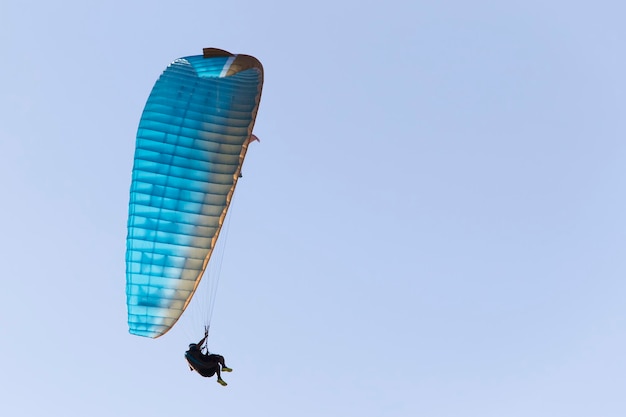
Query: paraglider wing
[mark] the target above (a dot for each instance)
(191, 142)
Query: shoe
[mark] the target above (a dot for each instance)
(226, 369)
(222, 382)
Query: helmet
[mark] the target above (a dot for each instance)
(193, 346)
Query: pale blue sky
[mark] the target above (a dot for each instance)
(432, 225)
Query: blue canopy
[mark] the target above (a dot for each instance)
(191, 143)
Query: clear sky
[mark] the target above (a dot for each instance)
(432, 225)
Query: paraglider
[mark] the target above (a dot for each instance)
(206, 364)
(191, 143)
